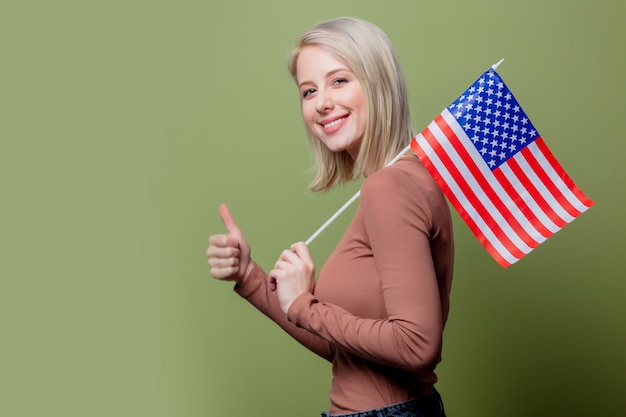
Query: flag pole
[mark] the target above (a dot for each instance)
(496, 65)
(350, 201)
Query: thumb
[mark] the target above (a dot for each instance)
(245, 263)
(228, 221)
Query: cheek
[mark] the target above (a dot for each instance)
(307, 110)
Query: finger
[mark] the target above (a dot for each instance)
(214, 251)
(288, 256)
(302, 250)
(281, 265)
(224, 272)
(229, 262)
(228, 221)
(223, 241)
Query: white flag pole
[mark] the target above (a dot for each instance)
(496, 65)
(349, 202)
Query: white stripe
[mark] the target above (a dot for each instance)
(536, 181)
(463, 201)
(530, 202)
(557, 180)
(478, 191)
(492, 180)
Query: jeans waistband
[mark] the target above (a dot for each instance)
(429, 405)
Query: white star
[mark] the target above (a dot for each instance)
(516, 108)
(524, 120)
(491, 163)
(512, 148)
(502, 155)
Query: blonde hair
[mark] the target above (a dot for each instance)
(368, 53)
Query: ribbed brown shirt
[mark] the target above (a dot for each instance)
(382, 298)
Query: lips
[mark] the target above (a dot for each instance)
(332, 125)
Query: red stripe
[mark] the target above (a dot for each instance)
(534, 193)
(484, 184)
(543, 148)
(495, 254)
(486, 216)
(521, 203)
(549, 185)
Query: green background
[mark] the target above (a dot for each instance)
(124, 124)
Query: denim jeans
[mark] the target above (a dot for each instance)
(427, 406)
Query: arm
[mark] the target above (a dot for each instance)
(229, 260)
(257, 291)
(398, 221)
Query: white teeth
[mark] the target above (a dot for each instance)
(334, 122)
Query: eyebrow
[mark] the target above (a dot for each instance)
(328, 74)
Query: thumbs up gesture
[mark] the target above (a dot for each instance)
(229, 254)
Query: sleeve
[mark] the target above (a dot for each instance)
(397, 221)
(256, 291)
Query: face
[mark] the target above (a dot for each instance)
(333, 104)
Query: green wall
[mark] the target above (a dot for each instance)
(124, 124)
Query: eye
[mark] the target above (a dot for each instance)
(308, 92)
(339, 81)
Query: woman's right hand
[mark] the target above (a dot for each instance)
(229, 255)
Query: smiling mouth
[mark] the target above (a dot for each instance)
(334, 123)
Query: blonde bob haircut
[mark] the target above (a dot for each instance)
(366, 50)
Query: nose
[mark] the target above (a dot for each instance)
(323, 101)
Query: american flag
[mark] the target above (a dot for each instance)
(497, 172)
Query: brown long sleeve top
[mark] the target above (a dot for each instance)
(382, 298)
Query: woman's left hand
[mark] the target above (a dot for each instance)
(293, 275)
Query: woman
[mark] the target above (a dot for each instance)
(379, 306)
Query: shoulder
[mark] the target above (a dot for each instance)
(406, 179)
